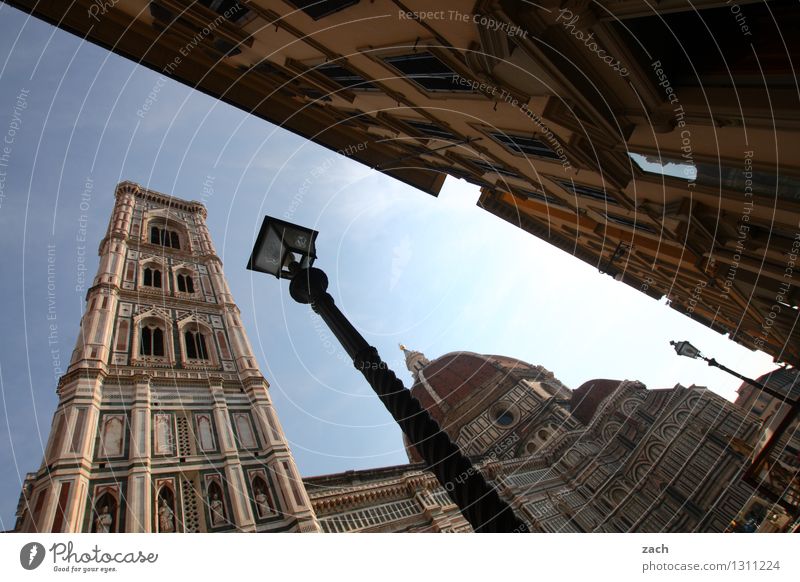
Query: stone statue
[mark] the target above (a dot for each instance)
(262, 503)
(217, 511)
(165, 515)
(103, 522)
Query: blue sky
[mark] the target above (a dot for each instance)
(437, 274)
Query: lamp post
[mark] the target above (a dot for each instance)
(684, 348)
(752, 475)
(288, 251)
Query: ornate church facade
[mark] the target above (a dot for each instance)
(165, 424)
(610, 456)
(164, 421)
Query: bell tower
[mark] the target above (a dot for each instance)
(164, 422)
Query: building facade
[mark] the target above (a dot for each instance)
(610, 456)
(164, 421)
(655, 141)
(777, 476)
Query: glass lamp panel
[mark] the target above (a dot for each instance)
(269, 254)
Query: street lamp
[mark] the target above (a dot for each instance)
(684, 348)
(754, 475)
(287, 251)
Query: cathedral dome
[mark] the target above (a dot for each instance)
(586, 399)
(455, 377)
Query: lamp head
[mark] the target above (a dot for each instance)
(684, 348)
(283, 248)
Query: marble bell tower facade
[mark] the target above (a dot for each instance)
(164, 421)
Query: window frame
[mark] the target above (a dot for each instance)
(346, 4)
(432, 46)
(494, 133)
(631, 223)
(570, 186)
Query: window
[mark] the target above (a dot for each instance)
(494, 168)
(521, 144)
(230, 9)
(430, 129)
(504, 418)
(429, 72)
(317, 9)
(185, 283)
(195, 345)
(630, 223)
(151, 277)
(151, 341)
(346, 77)
(763, 183)
(164, 237)
(541, 197)
(664, 166)
(586, 191)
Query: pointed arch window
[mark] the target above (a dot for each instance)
(164, 237)
(185, 283)
(195, 343)
(151, 277)
(151, 341)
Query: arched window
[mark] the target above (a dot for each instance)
(151, 277)
(151, 341)
(185, 283)
(195, 343)
(164, 237)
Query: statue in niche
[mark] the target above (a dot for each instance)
(217, 511)
(262, 503)
(104, 520)
(166, 523)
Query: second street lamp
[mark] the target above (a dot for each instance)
(759, 473)
(287, 251)
(684, 348)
